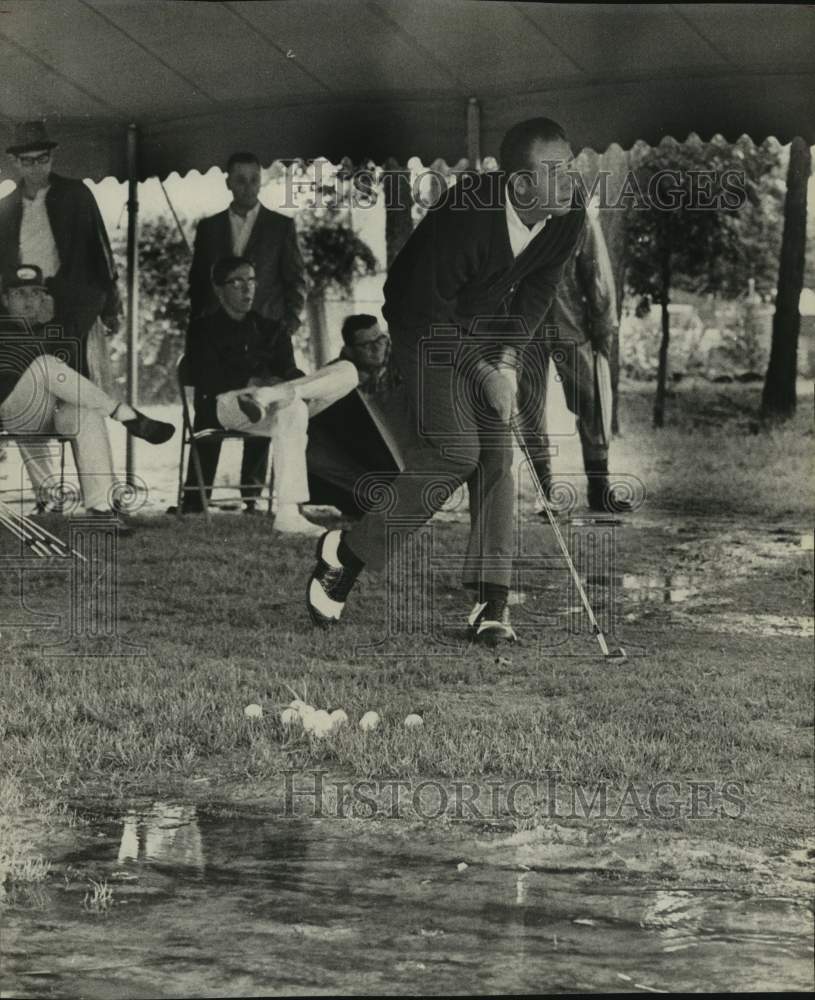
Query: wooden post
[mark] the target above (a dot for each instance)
(132, 287)
(474, 133)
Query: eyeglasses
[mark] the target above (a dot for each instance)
(376, 342)
(30, 161)
(241, 282)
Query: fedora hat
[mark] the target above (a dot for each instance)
(29, 136)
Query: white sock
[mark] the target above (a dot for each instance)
(330, 552)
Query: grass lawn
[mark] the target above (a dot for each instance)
(718, 687)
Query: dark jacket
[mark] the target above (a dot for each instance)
(585, 309)
(458, 264)
(20, 344)
(85, 286)
(223, 354)
(272, 248)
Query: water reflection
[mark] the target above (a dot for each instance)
(246, 906)
(164, 833)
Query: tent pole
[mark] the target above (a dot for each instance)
(474, 133)
(132, 288)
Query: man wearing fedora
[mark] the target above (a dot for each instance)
(54, 223)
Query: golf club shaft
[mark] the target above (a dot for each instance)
(560, 540)
(29, 531)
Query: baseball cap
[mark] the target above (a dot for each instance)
(24, 276)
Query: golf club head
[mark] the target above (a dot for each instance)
(617, 654)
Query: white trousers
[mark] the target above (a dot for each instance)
(52, 398)
(287, 425)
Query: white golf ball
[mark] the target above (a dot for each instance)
(308, 720)
(413, 721)
(253, 712)
(321, 724)
(288, 716)
(338, 718)
(369, 722)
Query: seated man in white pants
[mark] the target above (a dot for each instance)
(40, 393)
(242, 367)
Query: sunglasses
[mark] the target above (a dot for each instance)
(31, 161)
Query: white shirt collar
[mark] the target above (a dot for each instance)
(250, 216)
(520, 235)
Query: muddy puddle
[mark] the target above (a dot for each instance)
(168, 902)
(699, 562)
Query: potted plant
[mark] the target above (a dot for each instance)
(335, 258)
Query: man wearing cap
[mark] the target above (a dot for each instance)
(268, 239)
(53, 222)
(42, 393)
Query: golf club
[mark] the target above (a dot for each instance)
(619, 653)
(40, 541)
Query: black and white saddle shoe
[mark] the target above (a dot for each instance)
(489, 623)
(330, 582)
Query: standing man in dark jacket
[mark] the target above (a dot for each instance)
(53, 223)
(268, 239)
(242, 367)
(582, 323)
(473, 282)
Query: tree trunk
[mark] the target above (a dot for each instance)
(778, 398)
(662, 369)
(319, 347)
(398, 203)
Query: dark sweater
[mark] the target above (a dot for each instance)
(20, 344)
(458, 264)
(223, 354)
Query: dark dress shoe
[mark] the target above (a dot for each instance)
(328, 586)
(489, 623)
(251, 408)
(607, 501)
(153, 431)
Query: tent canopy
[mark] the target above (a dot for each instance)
(372, 79)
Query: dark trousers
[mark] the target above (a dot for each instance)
(254, 463)
(574, 365)
(344, 446)
(457, 441)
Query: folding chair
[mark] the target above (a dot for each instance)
(9, 437)
(190, 439)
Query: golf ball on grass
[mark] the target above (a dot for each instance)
(413, 721)
(369, 722)
(289, 717)
(338, 719)
(253, 712)
(321, 724)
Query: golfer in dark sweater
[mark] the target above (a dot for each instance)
(471, 285)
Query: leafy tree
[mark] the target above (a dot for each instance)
(701, 219)
(164, 263)
(335, 257)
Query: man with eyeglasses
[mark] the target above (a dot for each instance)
(53, 222)
(268, 239)
(358, 434)
(245, 377)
